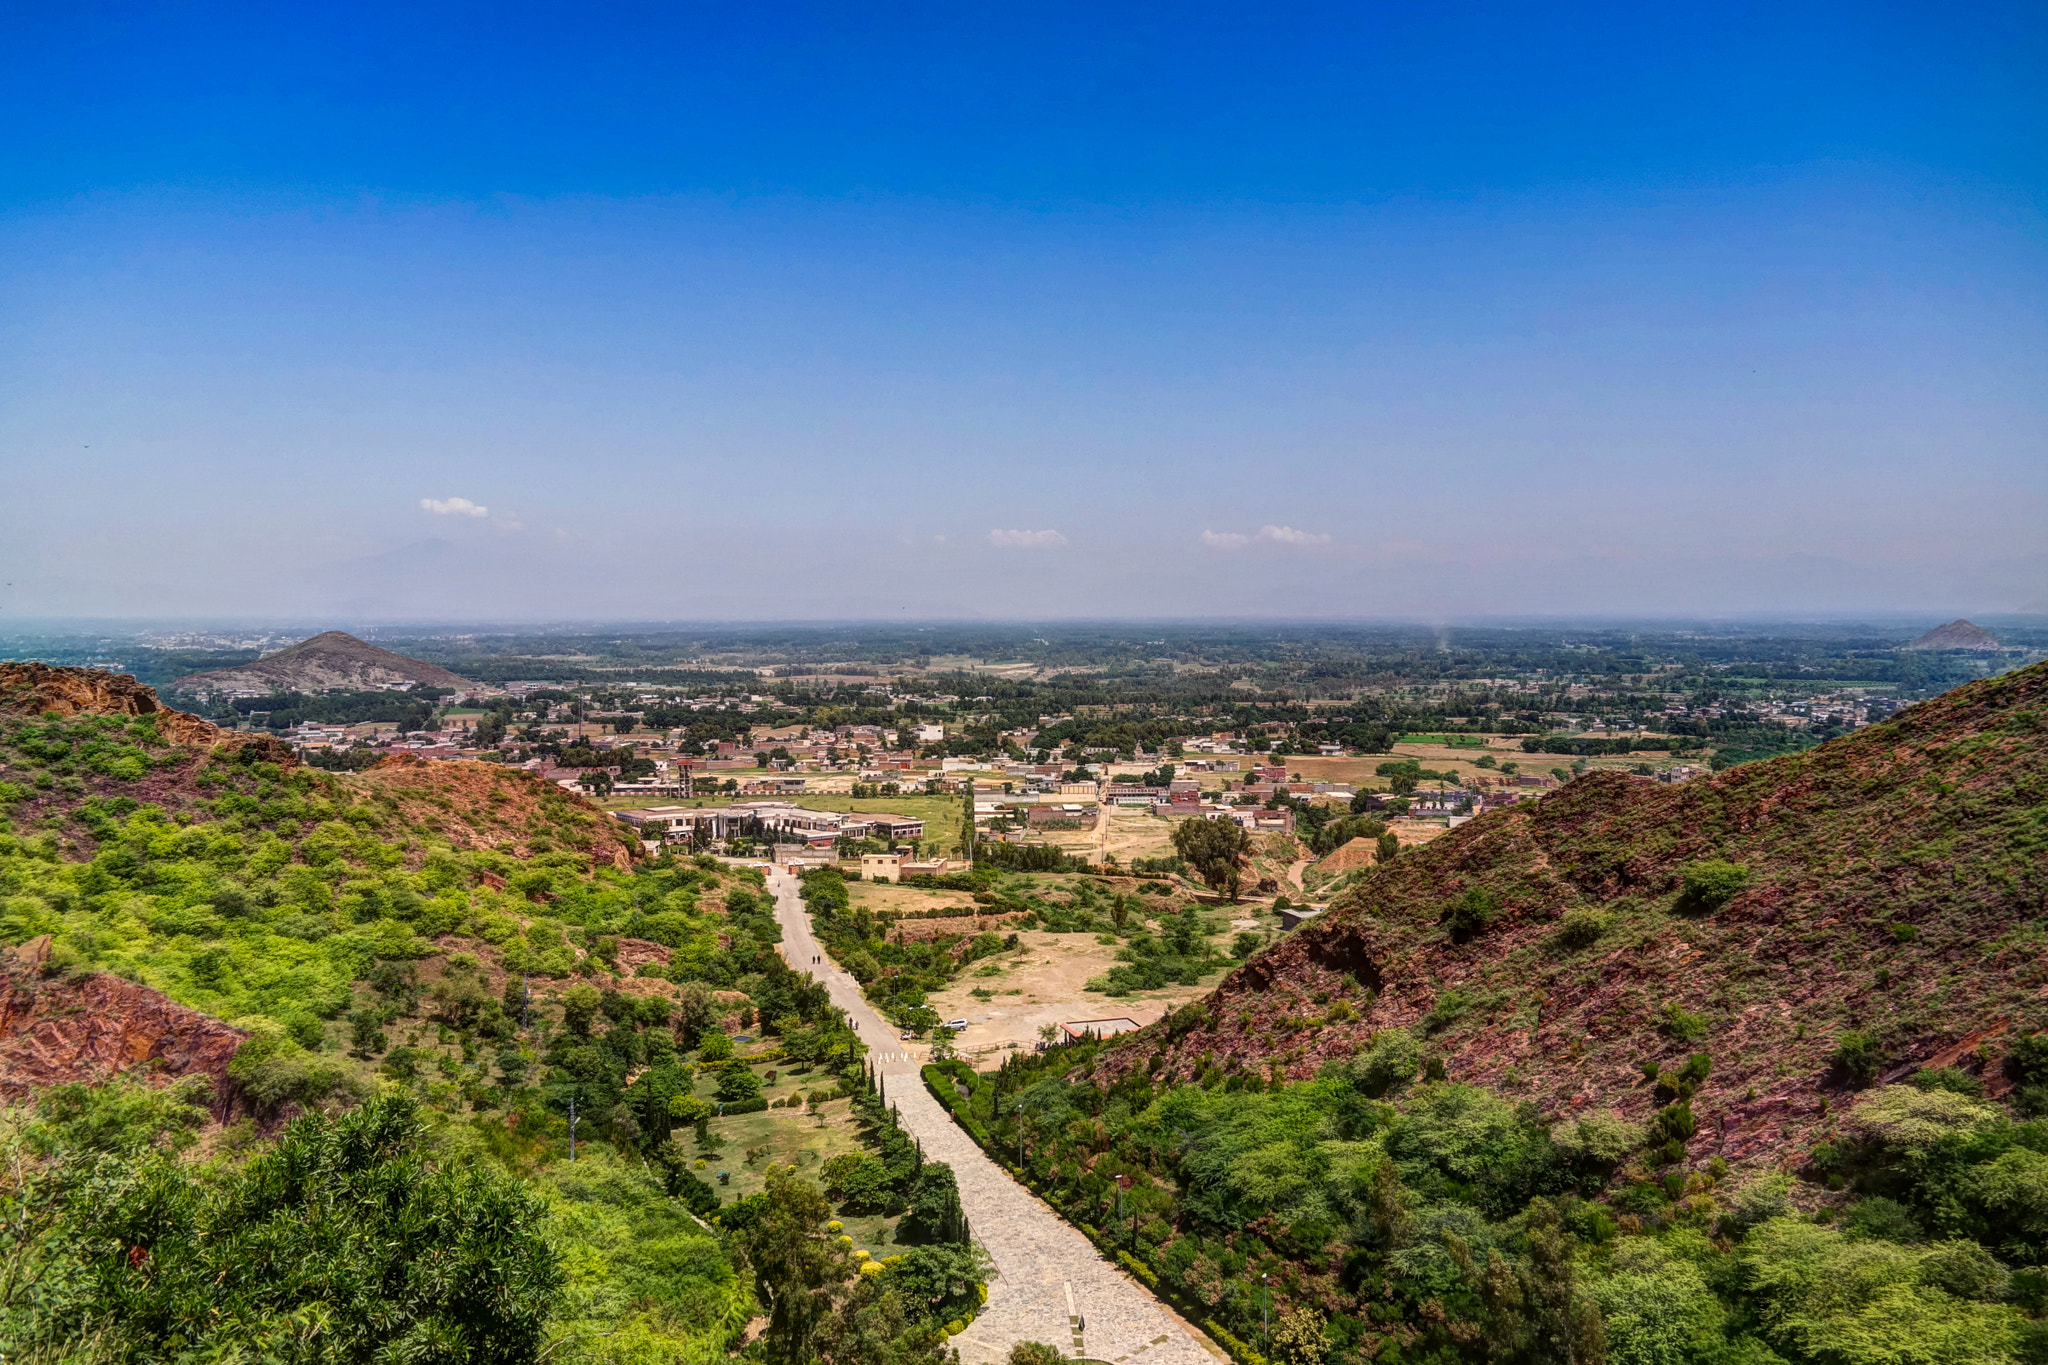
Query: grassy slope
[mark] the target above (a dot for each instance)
(1909, 853)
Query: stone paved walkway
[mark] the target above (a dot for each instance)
(1051, 1284)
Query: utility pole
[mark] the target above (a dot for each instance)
(1266, 1326)
(525, 999)
(572, 1125)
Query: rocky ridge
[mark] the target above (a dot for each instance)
(35, 689)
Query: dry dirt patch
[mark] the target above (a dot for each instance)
(886, 897)
(1042, 982)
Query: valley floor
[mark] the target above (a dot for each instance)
(1050, 1284)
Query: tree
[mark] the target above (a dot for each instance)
(797, 1267)
(858, 1180)
(935, 1213)
(737, 1084)
(695, 1010)
(1536, 1310)
(1216, 849)
(344, 1224)
(579, 1008)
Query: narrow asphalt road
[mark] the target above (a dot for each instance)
(1051, 1284)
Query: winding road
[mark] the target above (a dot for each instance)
(1051, 1284)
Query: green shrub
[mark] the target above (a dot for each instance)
(2027, 1060)
(273, 1070)
(1655, 1307)
(122, 1116)
(1858, 1054)
(1447, 1008)
(1683, 1024)
(737, 1085)
(245, 1260)
(1582, 928)
(1823, 1296)
(1900, 1118)
(1675, 1122)
(1391, 1062)
(1472, 912)
(1882, 1219)
(1952, 1079)
(1596, 1140)
(1757, 1200)
(1707, 886)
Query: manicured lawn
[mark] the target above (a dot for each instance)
(744, 1145)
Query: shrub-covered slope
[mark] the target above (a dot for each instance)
(1743, 1072)
(470, 951)
(1854, 911)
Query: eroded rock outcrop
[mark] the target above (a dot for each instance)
(56, 1029)
(33, 689)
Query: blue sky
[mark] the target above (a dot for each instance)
(633, 311)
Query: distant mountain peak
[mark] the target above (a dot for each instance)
(332, 660)
(1957, 634)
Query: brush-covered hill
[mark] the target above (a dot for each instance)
(1957, 634)
(1887, 890)
(331, 661)
(283, 1047)
(1748, 1069)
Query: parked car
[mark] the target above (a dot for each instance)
(956, 1023)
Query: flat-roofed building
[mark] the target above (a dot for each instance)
(882, 825)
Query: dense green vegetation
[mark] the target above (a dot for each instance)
(436, 1015)
(1392, 1217)
(340, 1242)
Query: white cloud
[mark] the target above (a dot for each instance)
(454, 507)
(1287, 535)
(1269, 535)
(508, 521)
(1027, 540)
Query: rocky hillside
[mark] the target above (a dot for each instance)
(33, 689)
(1812, 923)
(426, 964)
(57, 1027)
(102, 786)
(488, 806)
(330, 661)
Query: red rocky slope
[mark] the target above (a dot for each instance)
(1897, 887)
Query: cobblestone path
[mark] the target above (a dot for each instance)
(1051, 1284)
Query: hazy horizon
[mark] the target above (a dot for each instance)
(1319, 313)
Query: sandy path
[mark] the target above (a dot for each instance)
(1051, 1285)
